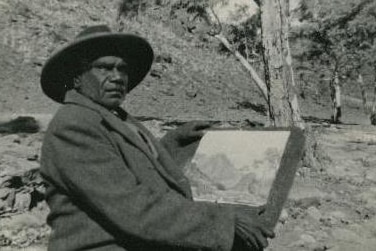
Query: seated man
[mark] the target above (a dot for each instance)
(110, 184)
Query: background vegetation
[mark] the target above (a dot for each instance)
(195, 76)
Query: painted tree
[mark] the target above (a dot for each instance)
(279, 75)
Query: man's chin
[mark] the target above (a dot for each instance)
(113, 103)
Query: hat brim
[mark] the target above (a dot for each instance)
(58, 72)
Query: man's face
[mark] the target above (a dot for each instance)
(105, 82)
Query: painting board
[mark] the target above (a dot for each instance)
(253, 167)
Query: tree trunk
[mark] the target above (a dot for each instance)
(279, 77)
(363, 91)
(335, 88)
(373, 112)
(316, 9)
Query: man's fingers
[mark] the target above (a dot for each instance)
(261, 239)
(194, 131)
(253, 236)
(261, 209)
(267, 232)
(196, 134)
(252, 242)
(201, 125)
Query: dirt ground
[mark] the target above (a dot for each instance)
(332, 205)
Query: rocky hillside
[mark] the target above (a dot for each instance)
(187, 81)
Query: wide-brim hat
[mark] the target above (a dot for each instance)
(94, 42)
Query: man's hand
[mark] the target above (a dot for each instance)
(188, 133)
(182, 142)
(251, 228)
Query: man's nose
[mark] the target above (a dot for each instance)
(119, 77)
(116, 75)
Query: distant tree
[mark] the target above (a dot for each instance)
(335, 38)
(243, 49)
(279, 76)
(246, 37)
(362, 50)
(203, 20)
(244, 42)
(335, 94)
(132, 8)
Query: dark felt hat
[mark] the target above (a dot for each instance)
(92, 43)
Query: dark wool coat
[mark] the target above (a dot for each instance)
(106, 191)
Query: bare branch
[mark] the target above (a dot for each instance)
(214, 19)
(350, 15)
(259, 82)
(218, 35)
(258, 2)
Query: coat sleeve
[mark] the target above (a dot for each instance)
(92, 172)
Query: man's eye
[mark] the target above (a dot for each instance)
(122, 68)
(103, 67)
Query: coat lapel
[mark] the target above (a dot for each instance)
(178, 182)
(124, 130)
(115, 123)
(73, 96)
(166, 160)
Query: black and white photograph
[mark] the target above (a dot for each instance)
(174, 125)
